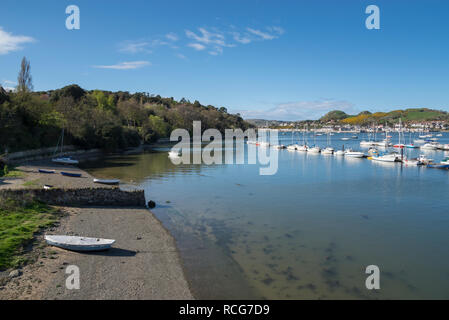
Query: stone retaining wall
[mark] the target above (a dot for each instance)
(80, 197)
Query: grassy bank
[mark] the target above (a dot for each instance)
(18, 223)
(6, 172)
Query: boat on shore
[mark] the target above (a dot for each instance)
(47, 187)
(75, 243)
(46, 171)
(107, 181)
(71, 174)
(174, 154)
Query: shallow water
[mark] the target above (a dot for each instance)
(307, 232)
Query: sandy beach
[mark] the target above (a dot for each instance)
(143, 264)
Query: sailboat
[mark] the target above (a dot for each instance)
(400, 144)
(63, 160)
(411, 145)
(304, 146)
(328, 149)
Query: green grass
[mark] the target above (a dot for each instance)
(11, 173)
(18, 224)
(31, 184)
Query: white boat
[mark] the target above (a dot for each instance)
(419, 141)
(339, 153)
(445, 160)
(412, 162)
(422, 158)
(429, 146)
(303, 148)
(174, 154)
(279, 146)
(439, 135)
(264, 144)
(328, 150)
(354, 154)
(65, 160)
(75, 243)
(445, 147)
(345, 139)
(107, 181)
(292, 147)
(314, 150)
(365, 143)
(386, 158)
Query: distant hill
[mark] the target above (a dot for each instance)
(364, 118)
(408, 115)
(335, 115)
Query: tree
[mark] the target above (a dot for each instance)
(24, 80)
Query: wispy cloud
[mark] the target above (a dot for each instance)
(181, 56)
(243, 39)
(197, 46)
(134, 47)
(10, 43)
(299, 110)
(125, 65)
(172, 36)
(207, 39)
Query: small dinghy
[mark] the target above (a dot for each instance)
(70, 174)
(47, 186)
(46, 171)
(79, 243)
(107, 181)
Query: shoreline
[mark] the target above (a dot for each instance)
(143, 264)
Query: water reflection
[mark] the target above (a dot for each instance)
(307, 232)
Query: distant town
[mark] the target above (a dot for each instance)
(409, 120)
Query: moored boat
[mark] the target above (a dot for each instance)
(65, 160)
(354, 154)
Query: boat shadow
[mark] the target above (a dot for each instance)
(113, 252)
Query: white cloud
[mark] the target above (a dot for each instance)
(207, 37)
(134, 47)
(125, 65)
(261, 34)
(197, 46)
(172, 36)
(10, 42)
(245, 39)
(181, 56)
(299, 110)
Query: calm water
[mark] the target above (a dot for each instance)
(307, 232)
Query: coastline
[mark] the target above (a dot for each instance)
(144, 263)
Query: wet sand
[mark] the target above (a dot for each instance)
(144, 262)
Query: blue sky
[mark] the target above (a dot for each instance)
(286, 60)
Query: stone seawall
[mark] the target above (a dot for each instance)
(80, 197)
